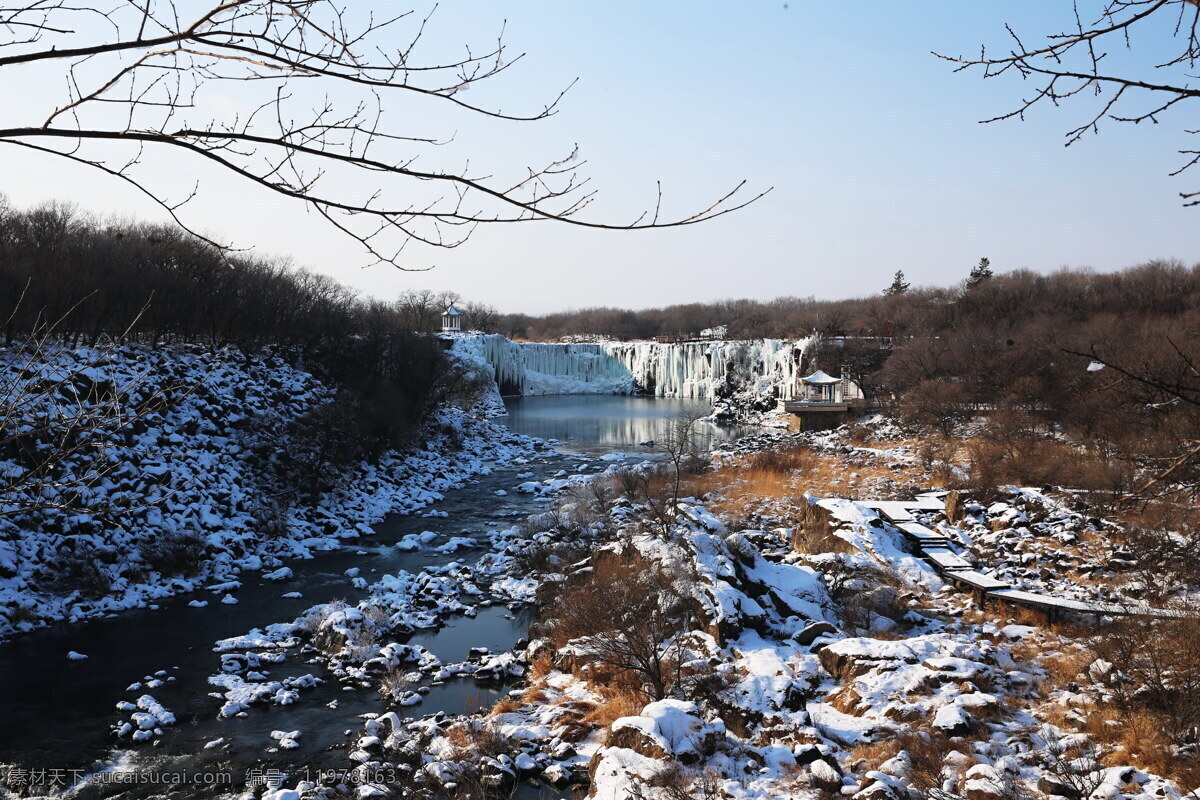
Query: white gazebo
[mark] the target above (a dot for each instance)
(451, 320)
(822, 401)
(821, 387)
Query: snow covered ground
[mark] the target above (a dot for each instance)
(814, 674)
(851, 671)
(176, 508)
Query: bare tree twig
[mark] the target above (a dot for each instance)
(1076, 63)
(164, 73)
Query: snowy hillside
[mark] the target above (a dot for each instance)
(166, 500)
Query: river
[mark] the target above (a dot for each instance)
(57, 714)
(598, 424)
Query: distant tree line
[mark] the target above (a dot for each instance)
(1152, 290)
(421, 309)
(90, 281)
(1015, 346)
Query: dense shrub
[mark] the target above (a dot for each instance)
(175, 554)
(82, 573)
(1156, 668)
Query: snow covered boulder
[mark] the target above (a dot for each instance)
(287, 739)
(668, 729)
(618, 773)
(496, 668)
(851, 658)
(824, 776)
(983, 783)
(146, 722)
(813, 631)
(341, 627)
(559, 775)
(526, 765)
(1053, 787)
(880, 785)
(952, 720)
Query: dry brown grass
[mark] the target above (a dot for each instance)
(1132, 736)
(1129, 731)
(1024, 615)
(506, 706)
(875, 753)
(540, 667)
(535, 694)
(617, 703)
(1001, 456)
(478, 736)
(1136, 736)
(927, 750)
(1064, 667)
(774, 482)
(395, 683)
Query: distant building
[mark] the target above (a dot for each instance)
(451, 320)
(718, 332)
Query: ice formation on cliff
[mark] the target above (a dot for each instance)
(765, 368)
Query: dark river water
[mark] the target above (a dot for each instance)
(56, 714)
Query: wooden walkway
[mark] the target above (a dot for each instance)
(936, 549)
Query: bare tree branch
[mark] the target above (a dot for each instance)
(1077, 63)
(165, 74)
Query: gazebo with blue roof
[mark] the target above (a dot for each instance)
(451, 319)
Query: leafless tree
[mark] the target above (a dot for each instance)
(1175, 384)
(625, 617)
(480, 317)
(1157, 670)
(1075, 768)
(680, 441)
(143, 77)
(929, 774)
(1079, 62)
(417, 309)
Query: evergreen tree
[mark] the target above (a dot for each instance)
(979, 273)
(899, 285)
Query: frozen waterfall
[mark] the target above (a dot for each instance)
(762, 369)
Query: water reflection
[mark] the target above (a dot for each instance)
(601, 423)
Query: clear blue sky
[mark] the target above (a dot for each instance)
(871, 144)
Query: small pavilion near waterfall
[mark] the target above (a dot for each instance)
(821, 400)
(821, 387)
(451, 319)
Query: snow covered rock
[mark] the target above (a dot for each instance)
(146, 722)
(288, 740)
(983, 782)
(668, 728)
(952, 720)
(824, 776)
